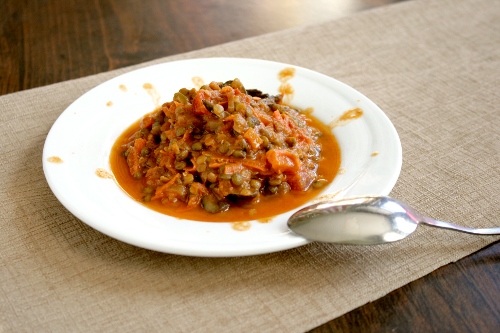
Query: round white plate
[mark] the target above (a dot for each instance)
(80, 141)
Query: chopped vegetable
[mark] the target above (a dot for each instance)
(220, 144)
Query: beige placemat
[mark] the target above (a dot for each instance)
(432, 66)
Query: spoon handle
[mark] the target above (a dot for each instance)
(456, 227)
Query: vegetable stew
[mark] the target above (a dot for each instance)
(225, 153)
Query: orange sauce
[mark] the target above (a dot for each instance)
(286, 88)
(54, 159)
(346, 117)
(269, 205)
(151, 90)
(101, 173)
(286, 74)
(240, 226)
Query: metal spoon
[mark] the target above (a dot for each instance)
(366, 221)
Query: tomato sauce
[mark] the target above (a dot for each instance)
(268, 205)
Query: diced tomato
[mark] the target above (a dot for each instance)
(283, 160)
(252, 138)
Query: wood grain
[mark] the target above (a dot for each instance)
(49, 41)
(459, 297)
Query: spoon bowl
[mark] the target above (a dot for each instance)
(366, 220)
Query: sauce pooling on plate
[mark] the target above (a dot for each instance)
(224, 153)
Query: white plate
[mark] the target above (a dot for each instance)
(84, 133)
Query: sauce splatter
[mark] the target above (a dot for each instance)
(286, 88)
(375, 153)
(55, 159)
(346, 117)
(342, 171)
(197, 81)
(153, 93)
(287, 91)
(101, 173)
(109, 103)
(286, 74)
(240, 226)
(123, 87)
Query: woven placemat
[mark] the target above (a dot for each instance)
(432, 66)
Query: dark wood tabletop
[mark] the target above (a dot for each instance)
(49, 41)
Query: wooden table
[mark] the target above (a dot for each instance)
(44, 42)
